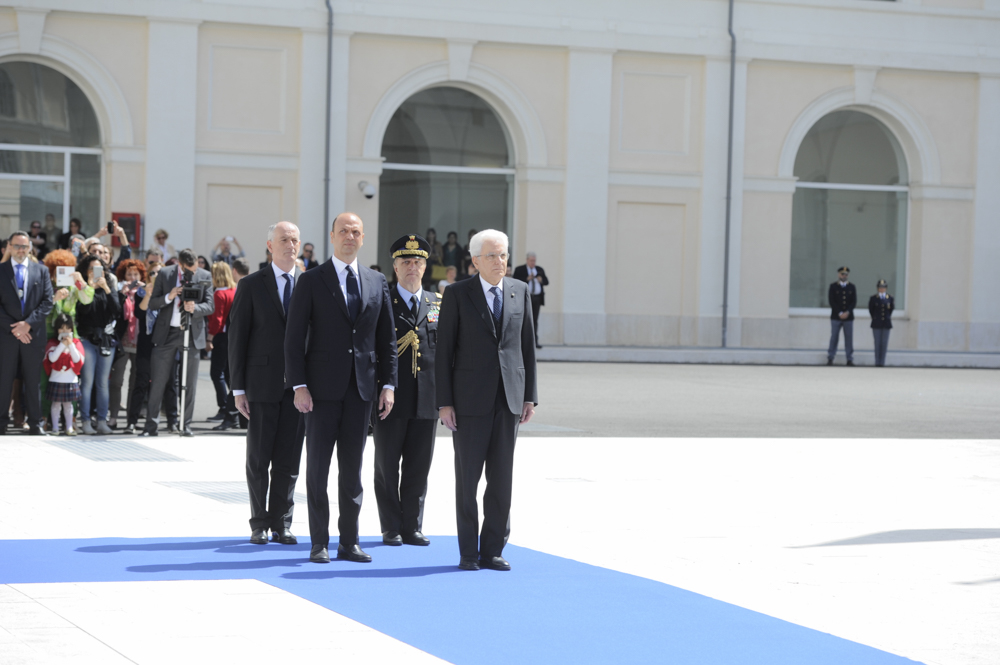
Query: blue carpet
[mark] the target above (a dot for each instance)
(547, 610)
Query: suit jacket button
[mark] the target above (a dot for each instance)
(355, 331)
(418, 369)
(350, 350)
(419, 354)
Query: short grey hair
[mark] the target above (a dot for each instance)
(531, 255)
(476, 244)
(270, 229)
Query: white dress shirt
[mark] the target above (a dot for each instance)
(534, 286)
(486, 291)
(24, 273)
(342, 275)
(175, 317)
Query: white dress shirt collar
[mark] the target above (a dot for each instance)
(340, 266)
(26, 262)
(406, 295)
(487, 286)
(278, 272)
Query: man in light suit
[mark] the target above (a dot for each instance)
(256, 331)
(485, 389)
(168, 337)
(25, 301)
(534, 276)
(339, 335)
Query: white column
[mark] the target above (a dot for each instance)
(312, 133)
(172, 96)
(713, 202)
(338, 129)
(588, 140)
(984, 328)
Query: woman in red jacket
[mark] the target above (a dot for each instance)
(218, 340)
(63, 363)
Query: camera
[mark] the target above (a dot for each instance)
(367, 189)
(191, 291)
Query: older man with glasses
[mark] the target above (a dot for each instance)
(25, 302)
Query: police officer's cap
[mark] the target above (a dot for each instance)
(881, 283)
(844, 269)
(410, 246)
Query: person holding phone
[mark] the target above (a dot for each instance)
(96, 313)
(64, 358)
(223, 251)
(132, 283)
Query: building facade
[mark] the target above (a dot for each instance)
(865, 133)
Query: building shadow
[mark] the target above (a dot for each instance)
(910, 536)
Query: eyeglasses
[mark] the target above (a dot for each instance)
(493, 257)
(20, 246)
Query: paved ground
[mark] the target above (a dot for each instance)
(858, 502)
(628, 400)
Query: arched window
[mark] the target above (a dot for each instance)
(850, 208)
(448, 166)
(50, 168)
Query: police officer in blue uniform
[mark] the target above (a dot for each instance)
(407, 434)
(843, 299)
(880, 306)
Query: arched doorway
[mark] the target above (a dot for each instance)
(850, 208)
(50, 156)
(448, 167)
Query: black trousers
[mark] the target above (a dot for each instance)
(219, 368)
(163, 370)
(24, 361)
(343, 424)
(401, 499)
(536, 305)
(489, 440)
(274, 439)
(141, 388)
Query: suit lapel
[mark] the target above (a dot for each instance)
(479, 301)
(9, 268)
(422, 307)
(367, 284)
(329, 274)
(508, 303)
(272, 288)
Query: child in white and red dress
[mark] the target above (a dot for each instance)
(63, 363)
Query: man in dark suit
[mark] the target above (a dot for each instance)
(256, 333)
(843, 299)
(534, 276)
(485, 389)
(307, 257)
(408, 432)
(339, 333)
(168, 336)
(25, 301)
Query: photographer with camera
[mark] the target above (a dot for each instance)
(183, 297)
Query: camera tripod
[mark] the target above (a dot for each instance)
(186, 341)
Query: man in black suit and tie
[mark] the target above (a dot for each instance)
(168, 336)
(339, 333)
(307, 257)
(256, 332)
(485, 389)
(843, 297)
(407, 434)
(25, 301)
(534, 276)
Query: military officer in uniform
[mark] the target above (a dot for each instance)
(880, 306)
(843, 299)
(407, 433)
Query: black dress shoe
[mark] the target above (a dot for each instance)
(34, 430)
(829, 361)
(353, 553)
(172, 428)
(850, 363)
(469, 563)
(318, 554)
(538, 346)
(259, 537)
(226, 425)
(283, 536)
(221, 415)
(494, 563)
(147, 432)
(415, 538)
(392, 538)
(187, 432)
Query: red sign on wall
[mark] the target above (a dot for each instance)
(132, 223)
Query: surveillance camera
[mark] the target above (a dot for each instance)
(367, 189)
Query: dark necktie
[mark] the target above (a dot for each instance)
(20, 285)
(286, 294)
(353, 295)
(496, 303)
(413, 307)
